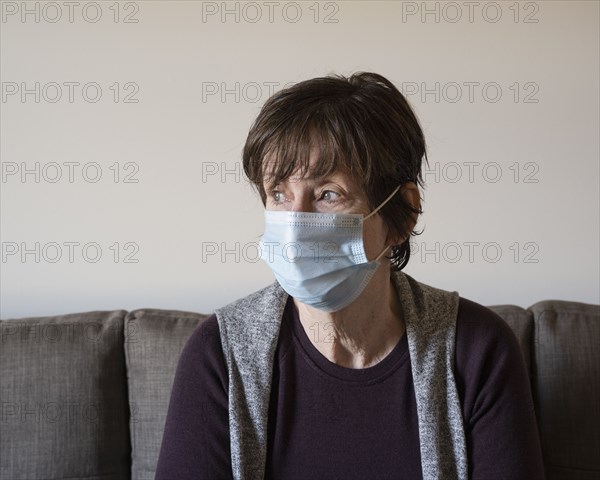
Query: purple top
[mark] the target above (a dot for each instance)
(332, 422)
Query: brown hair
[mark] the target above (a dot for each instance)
(360, 124)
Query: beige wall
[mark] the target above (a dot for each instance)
(162, 98)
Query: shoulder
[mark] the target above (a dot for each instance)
(489, 361)
(202, 353)
(265, 299)
(203, 337)
(479, 329)
(251, 324)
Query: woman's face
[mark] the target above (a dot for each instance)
(336, 193)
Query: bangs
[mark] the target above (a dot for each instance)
(338, 143)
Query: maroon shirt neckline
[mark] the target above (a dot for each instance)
(360, 376)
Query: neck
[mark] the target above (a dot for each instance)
(363, 333)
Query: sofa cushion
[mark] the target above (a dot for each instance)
(566, 387)
(153, 343)
(63, 398)
(521, 323)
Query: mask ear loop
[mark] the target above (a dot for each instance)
(385, 249)
(383, 203)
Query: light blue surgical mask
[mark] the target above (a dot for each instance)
(319, 258)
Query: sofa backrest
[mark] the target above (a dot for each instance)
(115, 376)
(63, 398)
(566, 387)
(155, 341)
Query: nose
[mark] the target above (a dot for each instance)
(302, 203)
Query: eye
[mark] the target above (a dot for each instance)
(277, 196)
(330, 196)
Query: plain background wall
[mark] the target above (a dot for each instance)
(135, 197)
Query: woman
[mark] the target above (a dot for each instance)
(346, 367)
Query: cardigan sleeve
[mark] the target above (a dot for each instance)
(195, 442)
(492, 380)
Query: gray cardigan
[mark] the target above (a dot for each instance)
(249, 330)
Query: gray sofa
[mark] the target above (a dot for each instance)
(84, 396)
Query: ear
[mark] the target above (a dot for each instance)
(411, 194)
